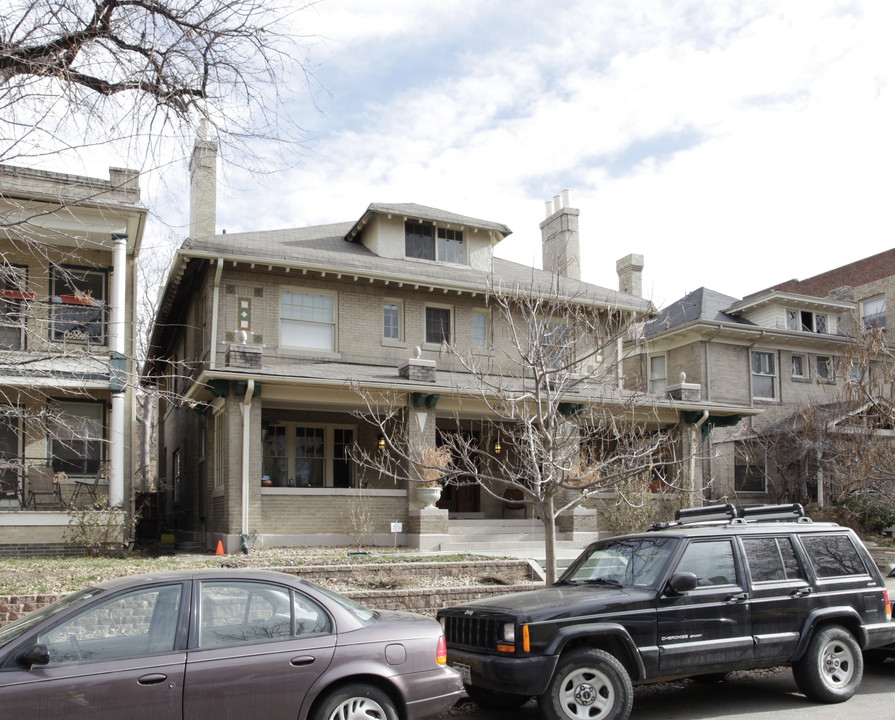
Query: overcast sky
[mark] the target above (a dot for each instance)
(733, 144)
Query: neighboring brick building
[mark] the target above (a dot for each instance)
(272, 331)
(67, 310)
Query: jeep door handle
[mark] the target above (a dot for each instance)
(738, 598)
(800, 592)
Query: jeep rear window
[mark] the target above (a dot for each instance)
(628, 561)
(833, 555)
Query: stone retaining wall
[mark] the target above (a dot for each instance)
(495, 577)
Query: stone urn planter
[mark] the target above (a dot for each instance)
(428, 495)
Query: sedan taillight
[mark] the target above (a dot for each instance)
(888, 602)
(441, 651)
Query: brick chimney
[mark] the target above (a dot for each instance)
(203, 184)
(559, 238)
(630, 274)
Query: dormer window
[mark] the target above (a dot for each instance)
(422, 240)
(806, 321)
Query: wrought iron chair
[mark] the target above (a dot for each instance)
(42, 482)
(10, 487)
(90, 484)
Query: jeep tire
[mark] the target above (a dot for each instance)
(832, 667)
(588, 683)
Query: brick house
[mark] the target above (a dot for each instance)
(67, 311)
(776, 351)
(263, 338)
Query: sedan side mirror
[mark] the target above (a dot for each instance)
(681, 583)
(35, 655)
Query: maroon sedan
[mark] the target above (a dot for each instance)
(222, 644)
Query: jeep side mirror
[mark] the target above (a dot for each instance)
(681, 583)
(35, 655)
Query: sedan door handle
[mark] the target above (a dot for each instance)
(303, 660)
(153, 679)
(738, 598)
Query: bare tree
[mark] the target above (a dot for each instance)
(557, 430)
(78, 73)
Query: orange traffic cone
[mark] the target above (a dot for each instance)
(220, 550)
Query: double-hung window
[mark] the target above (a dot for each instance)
(79, 305)
(825, 371)
(657, 374)
(392, 323)
(76, 437)
(479, 330)
(308, 320)
(873, 312)
(764, 375)
(438, 325)
(799, 367)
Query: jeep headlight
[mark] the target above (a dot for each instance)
(509, 633)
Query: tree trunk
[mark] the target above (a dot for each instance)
(549, 519)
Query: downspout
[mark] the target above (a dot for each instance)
(694, 446)
(246, 409)
(216, 294)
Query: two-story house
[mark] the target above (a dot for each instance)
(67, 311)
(266, 343)
(775, 351)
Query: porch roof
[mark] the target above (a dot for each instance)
(449, 383)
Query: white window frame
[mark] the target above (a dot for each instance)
(66, 308)
(434, 306)
(329, 431)
(483, 317)
(877, 318)
(796, 320)
(657, 383)
(311, 323)
(830, 376)
(399, 304)
(763, 373)
(804, 375)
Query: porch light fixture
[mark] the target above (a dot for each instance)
(380, 442)
(497, 447)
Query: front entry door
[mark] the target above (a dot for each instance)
(710, 626)
(460, 498)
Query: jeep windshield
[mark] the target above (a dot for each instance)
(618, 562)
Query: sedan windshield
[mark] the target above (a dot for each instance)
(620, 561)
(21, 626)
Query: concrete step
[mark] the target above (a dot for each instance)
(518, 548)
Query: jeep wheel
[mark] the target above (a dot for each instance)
(832, 667)
(588, 684)
(495, 699)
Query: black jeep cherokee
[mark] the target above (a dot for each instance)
(713, 592)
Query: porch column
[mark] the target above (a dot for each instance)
(118, 378)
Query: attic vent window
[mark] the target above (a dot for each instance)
(422, 240)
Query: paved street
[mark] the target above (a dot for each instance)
(745, 696)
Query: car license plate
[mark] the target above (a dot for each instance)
(465, 674)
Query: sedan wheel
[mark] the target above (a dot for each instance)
(357, 702)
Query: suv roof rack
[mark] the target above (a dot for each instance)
(728, 514)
